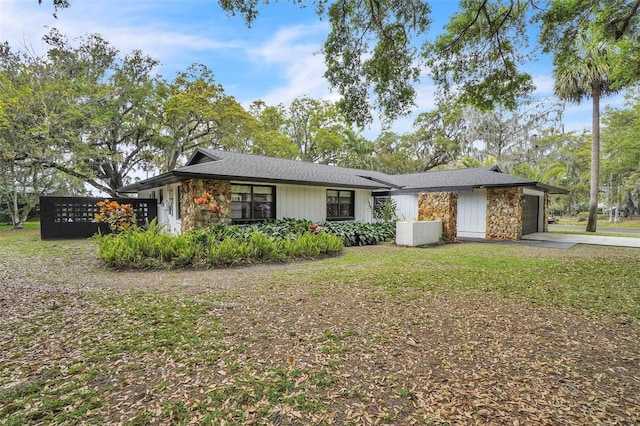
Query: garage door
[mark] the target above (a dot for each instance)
(472, 213)
(530, 211)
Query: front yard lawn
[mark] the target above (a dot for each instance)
(628, 223)
(460, 333)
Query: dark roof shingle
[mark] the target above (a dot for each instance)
(271, 169)
(207, 163)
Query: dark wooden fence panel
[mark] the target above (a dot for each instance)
(72, 217)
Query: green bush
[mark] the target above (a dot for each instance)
(221, 245)
(228, 252)
(146, 248)
(361, 234)
(352, 233)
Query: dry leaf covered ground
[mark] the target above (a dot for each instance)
(456, 334)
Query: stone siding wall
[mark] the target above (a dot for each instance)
(504, 213)
(440, 206)
(195, 216)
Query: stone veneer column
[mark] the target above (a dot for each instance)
(504, 213)
(440, 206)
(195, 216)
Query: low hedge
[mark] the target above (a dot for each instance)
(147, 248)
(231, 245)
(361, 234)
(352, 233)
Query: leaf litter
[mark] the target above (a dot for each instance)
(272, 345)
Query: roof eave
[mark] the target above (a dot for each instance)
(431, 189)
(176, 176)
(552, 189)
(154, 182)
(282, 181)
(468, 188)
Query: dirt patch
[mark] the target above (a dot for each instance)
(361, 354)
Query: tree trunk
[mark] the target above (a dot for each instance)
(595, 161)
(15, 212)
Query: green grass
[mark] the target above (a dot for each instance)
(625, 223)
(557, 279)
(27, 241)
(597, 282)
(27, 225)
(181, 353)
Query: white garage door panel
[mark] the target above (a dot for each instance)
(472, 212)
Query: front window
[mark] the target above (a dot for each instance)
(339, 205)
(179, 202)
(252, 203)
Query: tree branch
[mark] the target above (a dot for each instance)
(81, 176)
(627, 20)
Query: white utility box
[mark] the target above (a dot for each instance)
(418, 233)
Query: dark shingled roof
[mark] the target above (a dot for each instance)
(207, 163)
(269, 169)
(462, 179)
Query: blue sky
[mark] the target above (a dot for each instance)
(275, 60)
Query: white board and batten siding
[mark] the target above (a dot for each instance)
(364, 201)
(310, 202)
(472, 214)
(406, 206)
(298, 202)
(167, 209)
(292, 201)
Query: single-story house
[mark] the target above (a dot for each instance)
(229, 187)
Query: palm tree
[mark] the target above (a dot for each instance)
(581, 73)
(543, 173)
(471, 162)
(357, 151)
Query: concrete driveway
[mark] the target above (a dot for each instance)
(584, 239)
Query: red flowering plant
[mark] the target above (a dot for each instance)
(208, 202)
(315, 228)
(119, 217)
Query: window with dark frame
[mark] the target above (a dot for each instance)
(340, 204)
(179, 202)
(250, 203)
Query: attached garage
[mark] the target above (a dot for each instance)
(478, 203)
(530, 214)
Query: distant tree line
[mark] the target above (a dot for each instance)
(376, 50)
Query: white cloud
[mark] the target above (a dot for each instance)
(544, 85)
(577, 117)
(127, 26)
(293, 55)
(288, 43)
(276, 60)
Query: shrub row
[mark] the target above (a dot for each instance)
(150, 248)
(221, 245)
(361, 234)
(351, 233)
